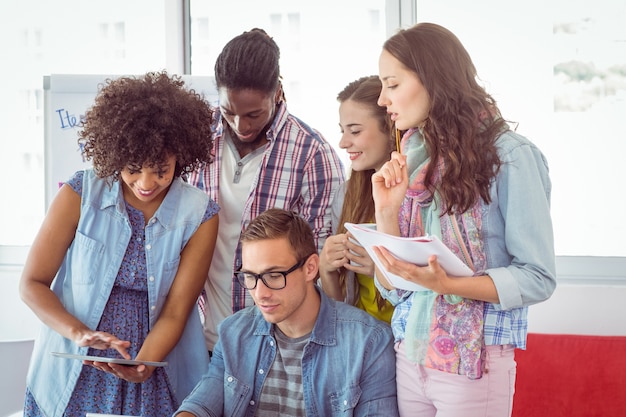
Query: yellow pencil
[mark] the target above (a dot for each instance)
(398, 141)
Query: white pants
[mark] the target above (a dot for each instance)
(424, 392)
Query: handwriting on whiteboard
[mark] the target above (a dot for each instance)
(67, 120)
(70, 121)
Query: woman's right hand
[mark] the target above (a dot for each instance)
(390, 183)
(333, 255)
(102, 341)
(389, 186)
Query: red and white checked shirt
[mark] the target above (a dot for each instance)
(300, 172)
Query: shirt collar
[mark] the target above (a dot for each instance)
(166, 212)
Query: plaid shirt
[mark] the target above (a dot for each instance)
(299, 172)
(501, 327)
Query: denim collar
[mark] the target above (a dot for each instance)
(325, 328)
(165, 214)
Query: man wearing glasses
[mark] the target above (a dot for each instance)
(296, 352)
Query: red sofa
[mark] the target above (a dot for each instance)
(571, 376)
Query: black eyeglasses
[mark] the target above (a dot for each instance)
(275, 280)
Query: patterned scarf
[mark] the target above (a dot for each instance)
(443, 332)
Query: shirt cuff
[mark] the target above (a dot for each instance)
(507, 288)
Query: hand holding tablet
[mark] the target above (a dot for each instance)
(119, 361)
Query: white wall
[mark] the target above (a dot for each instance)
(581, 309)
(589, 298)
(17, 321)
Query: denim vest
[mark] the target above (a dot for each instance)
(348, 365)
(88, 271)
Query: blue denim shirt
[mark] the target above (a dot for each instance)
(86, 277)
(348, 366)
(518, 240)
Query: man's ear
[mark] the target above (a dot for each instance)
(280, 95)
(311, 267)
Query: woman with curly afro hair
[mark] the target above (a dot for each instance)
(121, 257)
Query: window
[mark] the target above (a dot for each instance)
(321, 51)
(97, 37)
(558, 69)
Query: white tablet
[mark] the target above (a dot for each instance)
(105, 415)
(107, 360)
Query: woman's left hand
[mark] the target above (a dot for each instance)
(128, 373)
(359, 260)
(431, 276)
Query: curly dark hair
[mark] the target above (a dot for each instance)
(464, 120)
(144, 120)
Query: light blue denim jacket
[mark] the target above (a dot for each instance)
(348, 366)
(518, 241)
(86, 277)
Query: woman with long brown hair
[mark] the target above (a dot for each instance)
(346, 270)
(484, 190)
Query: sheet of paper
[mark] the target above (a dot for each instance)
(416, 250)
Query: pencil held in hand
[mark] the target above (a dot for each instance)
(398, 140)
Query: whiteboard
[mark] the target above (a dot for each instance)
(66, 99)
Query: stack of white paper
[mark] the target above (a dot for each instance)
(416, 250)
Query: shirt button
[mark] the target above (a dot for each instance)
(148, 247)
(229, 379)
(151, 279)
(261, 371)
(153, 308)
(345, 402)
(271, 343)
(153, 221)
(251, 402)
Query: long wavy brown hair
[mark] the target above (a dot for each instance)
(358, 204)
(464, 120)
